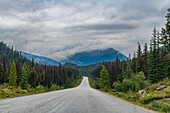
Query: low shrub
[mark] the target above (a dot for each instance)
(153, 87)
(4, 86)
(92, 83)
(21, 91)
(153, 96)
(54, 87)
(161, 106)
(31, 90)
(127, 85)
(135, 97)
(40, 89)
(117, 86)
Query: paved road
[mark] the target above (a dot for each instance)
(81, 99)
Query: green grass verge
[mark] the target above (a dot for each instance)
(16, 92)
(155, 100)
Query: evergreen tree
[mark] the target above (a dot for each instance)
(24, 78)
(32, 77)
(72, 77)
(18, 68)
(153, 64)
(32, 63)
(129, 71)
(104, 77)
(139, 63)
(13, 75)
(133, 66)
(68, 82)
(4, 70)
(145, 61)
(162, 63)
(165, 40)
(117, 69)
(42, 78)
(1, 73)
(158, 57)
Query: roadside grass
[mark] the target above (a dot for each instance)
(7, 91)
(153, 100)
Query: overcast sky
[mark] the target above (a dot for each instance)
(59, 28)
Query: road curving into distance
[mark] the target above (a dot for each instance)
(82, 99)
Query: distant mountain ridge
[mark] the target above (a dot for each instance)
(95, 56)
(81, 58)
(40, 59)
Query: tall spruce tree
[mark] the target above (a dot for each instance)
(104, 77)
(165, 35)
(42, 78)
(139, 63)
(145, 60)
(4, 70)
(32, 77)
(24, 77)
(153, 64)
(158, 57)
(1, 72)
(162, 63)
(13, 75)
(129, 71)
(133, 65)
(165, 40)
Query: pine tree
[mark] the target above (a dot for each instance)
(18, 68)
(145, 61)
(4, 69)
(153, 64)
(165, 40)
(133, 66)
(32, 63)
(104, 77)
(129, 71)
(24, 78)
(117, 68)
(72, 77)
(42, 78)
(68, 82)
(158, 57)
(162, 63)
(32, 77)
(139, 63)
(1, 73)
(13, 75)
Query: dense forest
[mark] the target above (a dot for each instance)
(19, 71)
(144, 79)
(147, 66)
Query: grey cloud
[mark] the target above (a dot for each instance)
(111, 26)
(59, 28)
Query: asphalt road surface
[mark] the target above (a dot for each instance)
(81, 99)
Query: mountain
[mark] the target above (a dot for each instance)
(95, 56)
(81, 58)
(40, 59)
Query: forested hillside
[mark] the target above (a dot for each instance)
(83, 70)
(17, 71)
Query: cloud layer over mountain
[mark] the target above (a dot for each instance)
(59, 28)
